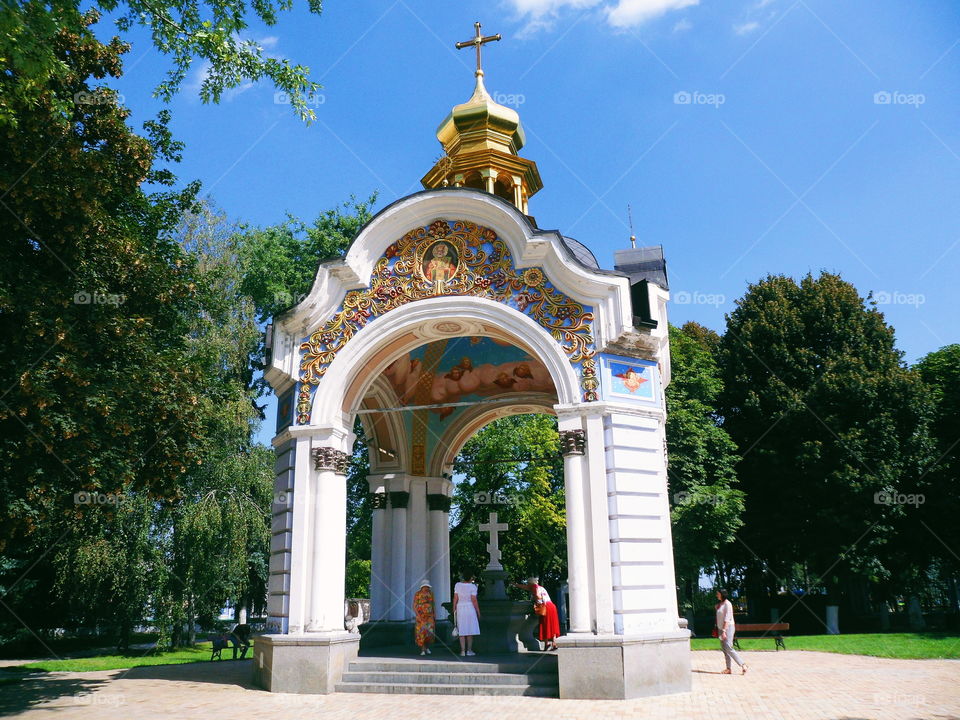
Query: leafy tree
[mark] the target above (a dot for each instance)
(706, 504)
(217, 528)
(280, 261)
(96, 301)
(211, 31)
(827, 419)
(512, 466)
(936, 519)
(359, 518)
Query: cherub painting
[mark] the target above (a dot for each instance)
(631, 380)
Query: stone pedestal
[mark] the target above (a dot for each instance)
(308, 663)
(620, 667)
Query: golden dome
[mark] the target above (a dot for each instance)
(481, 140)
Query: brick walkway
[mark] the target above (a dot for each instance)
(791, 685)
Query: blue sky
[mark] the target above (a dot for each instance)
(753, 137)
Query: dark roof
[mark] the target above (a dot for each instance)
(581, 252)
(644, 263)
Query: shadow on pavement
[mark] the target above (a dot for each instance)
(19, 693)
(221, 672)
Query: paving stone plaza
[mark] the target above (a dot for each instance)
(793, 685)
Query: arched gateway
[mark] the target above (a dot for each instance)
(461, 271)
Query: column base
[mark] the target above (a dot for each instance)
(620, 667)
(308, 663)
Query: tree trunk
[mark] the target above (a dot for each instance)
(191, 623)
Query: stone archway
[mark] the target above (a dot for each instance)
(495, 276)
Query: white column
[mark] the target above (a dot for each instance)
(438, 559)
(295, 559)
(572, 442)
(379, 550)
(399, 497)
(598, 514)
(418, 530)
(329, 540)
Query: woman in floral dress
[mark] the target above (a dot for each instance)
(426, 623)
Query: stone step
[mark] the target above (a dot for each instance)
(446, 678)
(546, 666)
(439, 689)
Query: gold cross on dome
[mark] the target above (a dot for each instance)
(477, 41)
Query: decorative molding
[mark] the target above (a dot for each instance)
(327, 458)
(399, 500)
(572, 442)
(437, 501)
(444, 258)
(378, 500)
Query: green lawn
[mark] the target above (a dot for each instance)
(889, 645)
(124, 661)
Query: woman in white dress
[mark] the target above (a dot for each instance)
(467, 613)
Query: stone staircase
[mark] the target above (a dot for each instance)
(443, 673)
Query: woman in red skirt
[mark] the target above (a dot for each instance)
(544, 607)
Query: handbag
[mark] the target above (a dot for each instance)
(715, 633)
(454, 633)
(540, 608)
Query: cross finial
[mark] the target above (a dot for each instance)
(477, 41)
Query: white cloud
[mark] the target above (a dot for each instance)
(618, 13)
(628, 13)
(682, 26)
(746, 28)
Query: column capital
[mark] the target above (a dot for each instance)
(439, 502)
(399, 500)
(328, 458)
(439, 486)
(572, 442)
(378, 500)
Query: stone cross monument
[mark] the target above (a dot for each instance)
(494, 527)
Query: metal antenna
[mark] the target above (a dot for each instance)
(633, 238)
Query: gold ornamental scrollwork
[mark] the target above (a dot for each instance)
(451, 258)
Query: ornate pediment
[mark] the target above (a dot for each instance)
(450, 258)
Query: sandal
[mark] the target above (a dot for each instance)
(726, 671)
(743, 669)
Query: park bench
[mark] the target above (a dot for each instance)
(766, 629)
(222, 642)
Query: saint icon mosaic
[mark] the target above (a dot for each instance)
(451, 258)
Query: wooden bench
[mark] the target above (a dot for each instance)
(766, 629)
(221, 643)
